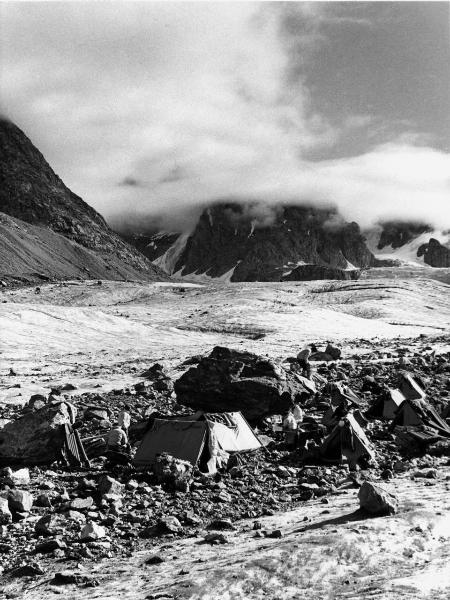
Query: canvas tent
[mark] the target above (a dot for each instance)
(387, 405)
(346, 440)
(414, 413)
(410, 388)
(342, 394)
(197, 438)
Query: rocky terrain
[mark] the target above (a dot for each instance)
(48, 232)
(290, 522)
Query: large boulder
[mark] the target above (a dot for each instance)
(376, 501)
(230, 380)
(35, 438)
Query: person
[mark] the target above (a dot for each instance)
(303, 359)
(297, 413)
(117, 440)
(290, 429)
(124, 418)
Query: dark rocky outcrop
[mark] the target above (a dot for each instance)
(435, 254)
(229, 380)
(47, 231)
(398, 233)
(256, 242)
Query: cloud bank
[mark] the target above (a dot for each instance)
(152, 110)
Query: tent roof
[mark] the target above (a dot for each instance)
(185, 437)
(181, 439)
(233, 432)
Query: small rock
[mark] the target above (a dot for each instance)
(81, 503)
(221, 525)
(43, 500)
(20, 501)
(216, 538)
(29, 570)
(156, 559)
(276, 533)
(169, 525)
(47, 525)
(108, 485)
(5, 513)
(49, 546)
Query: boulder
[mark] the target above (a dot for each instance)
(333, 351)
(108, 485)
(81, 503)
(47, 525)
(49, 546)
(376, 501)
(92, 532)
(169, 524)
(35, 438)
(20, 501)
(230, 380)
(321, 356)
(5, 513)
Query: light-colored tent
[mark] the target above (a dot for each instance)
(347, 440)
(197, 440)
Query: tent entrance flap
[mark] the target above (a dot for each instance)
(181, 439)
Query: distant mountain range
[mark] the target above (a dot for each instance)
(249, 242)
(47, 231)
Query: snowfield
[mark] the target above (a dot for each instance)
(95, 334)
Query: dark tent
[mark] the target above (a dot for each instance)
(414, 413)
(347, 440)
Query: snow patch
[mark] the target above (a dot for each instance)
(169, 259)
(406, 254)
(204, 277)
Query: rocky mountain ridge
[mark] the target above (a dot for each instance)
(50, 232)
(251, 242)
(234, 242)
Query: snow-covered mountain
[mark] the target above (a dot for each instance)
(412, 244)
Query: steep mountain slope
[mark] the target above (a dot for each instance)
(52, 232)
(248, 242)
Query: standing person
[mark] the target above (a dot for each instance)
(303, 359)
(124, 418)
(297, 413)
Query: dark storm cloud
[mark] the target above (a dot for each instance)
(192, 102)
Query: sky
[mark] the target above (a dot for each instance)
(150, 110)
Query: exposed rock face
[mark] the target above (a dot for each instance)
(35, 437)
(311, 272)
(230, 380)
(46, 229)
(398, 233)
(435, 254)
(251, 242)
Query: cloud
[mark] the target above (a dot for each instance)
(156, 109)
